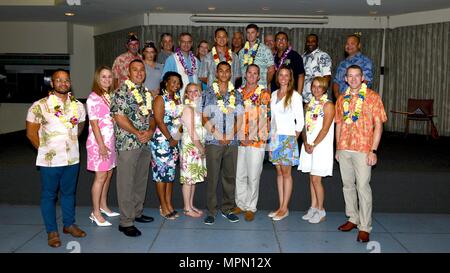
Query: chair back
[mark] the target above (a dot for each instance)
(420, 109)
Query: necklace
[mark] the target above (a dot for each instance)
(250, 59)
(283, 58)
(216, 56)
(232, 100)
(144, 107)
(253, 98)
(188, 71)
(349, 118)
(313, 111)
(72, 121)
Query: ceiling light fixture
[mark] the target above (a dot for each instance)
(373, 2)
(265, 8)
(159, 8)
(211, 8)
(249, 18)
(70, 14)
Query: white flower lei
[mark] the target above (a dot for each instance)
(220, 101)
(144, 107)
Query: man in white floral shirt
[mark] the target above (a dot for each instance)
(53, 126)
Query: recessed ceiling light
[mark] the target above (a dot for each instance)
(211, 8)
(373, 12)
(265, 8)
(69, 14)
(159, 8)
(320, 11)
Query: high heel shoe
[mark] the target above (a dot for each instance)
(279, 218)
(109, 214)
(100, 224)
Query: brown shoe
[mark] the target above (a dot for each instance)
(363, 237)
(237, 210)
(249, 216)
(74, 231)
(347, 226)
(53, 239)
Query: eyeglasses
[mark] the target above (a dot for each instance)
(61, 80)
(281, 40)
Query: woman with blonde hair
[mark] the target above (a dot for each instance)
(316, 157)
(192, 155)
(286, 125)
(100, 144)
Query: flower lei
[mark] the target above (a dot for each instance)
(283, 57)
(72, 121)
(174, 108)
(358, 107)
(191, 71)
(314, 108)
(253, 98)
(216, 56)
(144, 107)
(220, 102)
(249, 59)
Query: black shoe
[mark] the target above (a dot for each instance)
(144, 219)
(130, 231)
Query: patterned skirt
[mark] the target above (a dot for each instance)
(284, 150)
(164, 160)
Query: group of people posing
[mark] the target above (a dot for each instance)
(215, 117)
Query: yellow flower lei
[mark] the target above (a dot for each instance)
(252, 99)
(140, 101)
(349, 119)
(216, 57)
(248, 58)
(174, 108)
(313, 110)
(220, 101)
(69, 123)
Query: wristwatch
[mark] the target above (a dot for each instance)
(312, 144)
(374, 151)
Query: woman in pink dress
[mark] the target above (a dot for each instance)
(100, 144)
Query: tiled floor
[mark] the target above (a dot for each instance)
(22, 230)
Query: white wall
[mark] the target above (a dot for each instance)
(419, 18)
(118, 24)
(47, 37)
(34, 37)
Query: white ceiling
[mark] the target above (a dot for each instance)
(92, 12)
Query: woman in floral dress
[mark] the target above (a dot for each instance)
(101, 154)
(192, 159)
(164, 144)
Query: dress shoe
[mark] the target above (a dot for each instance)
(130, 231)
(144, 219)
(279, 218)
(363, 237)
(109, 214)
(53, 239)
(249, 216)
(74, 231)
(347, 226)
(100, 224)
(237, 210)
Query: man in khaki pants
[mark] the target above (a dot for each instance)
(359, 123)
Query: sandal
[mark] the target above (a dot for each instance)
(191, 213)
(175, 214)
(199, 212)
(168, 216)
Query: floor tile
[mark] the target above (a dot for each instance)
(424, 243)
(14, 236)
(416, 223)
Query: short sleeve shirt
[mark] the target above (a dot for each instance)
(121, 64)
(317, 64)
(208, 68)
(359, 59)
(263, 58)
(295, 62)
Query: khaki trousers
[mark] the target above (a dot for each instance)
(356, 175)
(249, 167)
(132, 177)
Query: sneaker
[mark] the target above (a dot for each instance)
(209, 220)
(309, 214)
(231, 217)
(318, 217)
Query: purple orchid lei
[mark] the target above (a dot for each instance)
(282, 57)
(191, 71)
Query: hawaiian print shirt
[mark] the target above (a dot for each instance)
(358, 136)
(58, 145)
(359, 59)
(224, 123)
(208, 68)
(263, 58)
(124, 103)
(317, 63)
(120, 66)
(256, 119)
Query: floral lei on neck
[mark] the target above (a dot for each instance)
(313, 110)
(249, 59)
(191, 71)
(144, 107)
(349, 118)
(253, 98)
(69, 123)
(232, 100)
(283, 57)
(216, 56)
(175, 109)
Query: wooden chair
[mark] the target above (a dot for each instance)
(420, 110)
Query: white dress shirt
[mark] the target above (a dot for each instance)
(286, 121)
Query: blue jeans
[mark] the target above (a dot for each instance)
(54, 179)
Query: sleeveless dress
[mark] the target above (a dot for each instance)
(192, 164)
(164, 156)
(320, 162)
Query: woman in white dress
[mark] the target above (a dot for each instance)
(316, 156)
